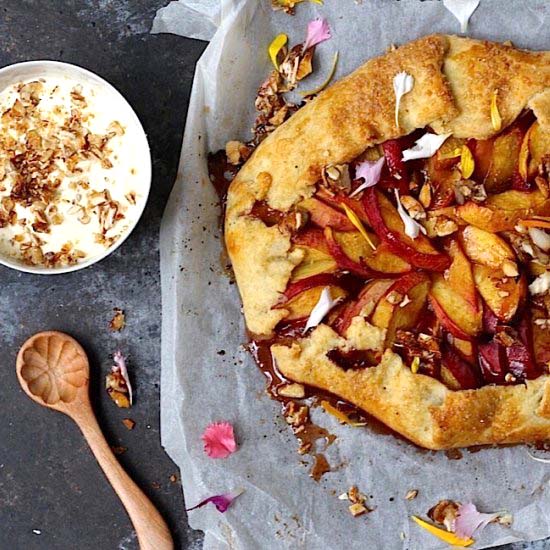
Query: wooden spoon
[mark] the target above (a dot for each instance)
(53, 370)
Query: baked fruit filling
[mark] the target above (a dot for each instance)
(443, 259)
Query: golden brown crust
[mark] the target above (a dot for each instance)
(420, 407)
(454, 81)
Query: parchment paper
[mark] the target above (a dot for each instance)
(206, 376)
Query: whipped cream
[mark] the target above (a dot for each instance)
(70, 185)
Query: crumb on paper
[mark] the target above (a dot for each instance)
(119, 450)
(357, 507)
(129, 423)
(412, 494)
(118, 322)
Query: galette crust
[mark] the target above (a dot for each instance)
(454, 81)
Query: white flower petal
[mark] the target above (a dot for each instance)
(470, 521)
(541, 284)
(402, 84)
(370, 172)
(120, 362)
(412, 227)
(540, 238)
(425, 147)
(462, 10)
(322, 307)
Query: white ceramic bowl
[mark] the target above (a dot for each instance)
(13, 74)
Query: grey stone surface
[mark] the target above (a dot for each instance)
(52, 494)
(49, 480)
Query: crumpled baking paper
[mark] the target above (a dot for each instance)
(207, 376)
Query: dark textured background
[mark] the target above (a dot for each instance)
(49, 481)
(48, 478)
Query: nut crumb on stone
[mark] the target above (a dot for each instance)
(129, 423)
(119, 450)
(118, 322)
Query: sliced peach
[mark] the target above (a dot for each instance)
(502, 294)
(457, 373)
(298, 287)
(387, 224)
(459, 275)
(541, 338)
(466, 349)
(313, 263)
(539, 147)
(486, 248)
(401, 306)
(502, 211)
(456, 314)
(323, 215)
(381, 260)
(300, 306)
(364, 305)
(504, 160)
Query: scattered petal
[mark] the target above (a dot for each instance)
(120, 362)
(415, 365)
(467, 162)
(326, 82)
(322, 307)
(221, 502)
(317, 31)
(402, 84)
(354, 219)
(541, 284)
(442, 534)
(412, 227)
(524, 153)
(462, 10)
(540, 238)
(342, 418)
(496, 119)
(469, 521)
(219, 440)
(425, 147)
(117, 382)
(275, 47)
(369, 172)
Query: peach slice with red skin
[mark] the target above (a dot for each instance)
(503, 295)
(364, 304)
(387, 224)
(486, 248)
(301, 305)
(541, 338)
(454, 298)
(402, 304)
(323, 215)
(503, 211)
(457, 373)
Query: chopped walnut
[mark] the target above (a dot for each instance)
(444, 513)
(129, 423)
(470, 190)
(509, 268)
(425, 195)
(394, 297)
(414, 208)
(336, 177)
(439, 226)
(294, 390)
(118, 322)
(237, 152)
(296, 415)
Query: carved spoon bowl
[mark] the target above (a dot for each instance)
(53, 370)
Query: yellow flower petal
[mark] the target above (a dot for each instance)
(467, 163)
(451, 155)
(496, 120)
(524, 152)
(415, 365)
(353, 218)
(442, 534)
(275, 47)
(327, 80)
(342, 417)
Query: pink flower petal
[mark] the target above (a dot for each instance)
(317, 31)
(120, 366)
(369, 172)
(469, 520)
(221, 502)
(219, 440)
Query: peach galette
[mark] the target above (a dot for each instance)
(390, 242)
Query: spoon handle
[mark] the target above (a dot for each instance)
(152, 531)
